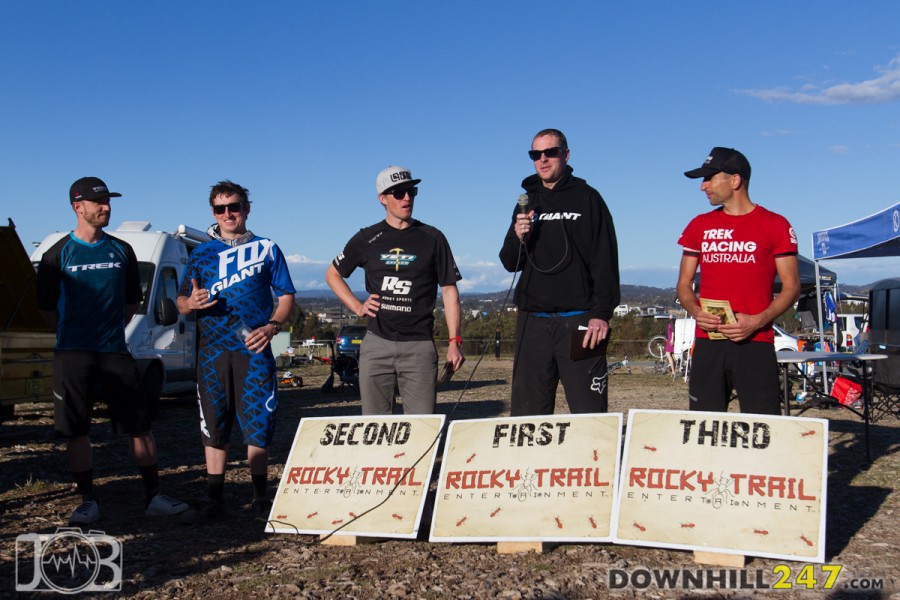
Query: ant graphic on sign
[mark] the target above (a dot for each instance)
(527, 486)
(721, 494)
(352, 483)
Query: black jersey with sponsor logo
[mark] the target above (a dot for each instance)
(404, 267)
(89, 285)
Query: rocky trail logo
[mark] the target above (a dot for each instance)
(68, 561)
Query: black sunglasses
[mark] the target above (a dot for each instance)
(550, 152)
(400, 194)
(234, 207)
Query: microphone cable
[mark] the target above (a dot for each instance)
(530, 258)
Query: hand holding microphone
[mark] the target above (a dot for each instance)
(523, 219)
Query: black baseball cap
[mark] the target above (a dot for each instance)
(90, 188)
(727, 160)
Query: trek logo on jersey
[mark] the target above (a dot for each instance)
(96, 266)
(556, 216)
(719, 246)
(237, 264)
(395, 285)
(396, 258)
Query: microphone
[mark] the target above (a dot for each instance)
(523, 209)
(523, 203)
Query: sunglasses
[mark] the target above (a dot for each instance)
(234, 207)
(400, 194)
(553, 152)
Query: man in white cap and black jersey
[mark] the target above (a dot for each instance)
(405, 261)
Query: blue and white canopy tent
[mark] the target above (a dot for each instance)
(874, 236)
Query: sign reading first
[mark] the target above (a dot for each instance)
(528, 479)
(365, 476)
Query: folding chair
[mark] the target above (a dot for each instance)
(885, 400)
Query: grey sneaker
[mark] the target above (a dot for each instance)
(205, 511)
(165, 506)
(87, 513)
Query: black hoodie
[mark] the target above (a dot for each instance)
(572, 259)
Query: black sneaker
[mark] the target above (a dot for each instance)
(262, 508)
(205, 511)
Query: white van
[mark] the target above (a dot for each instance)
(162, 341)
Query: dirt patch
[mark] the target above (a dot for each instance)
(236, 559)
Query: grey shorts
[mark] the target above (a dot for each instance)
(412, 366)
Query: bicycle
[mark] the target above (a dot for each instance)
(622, 364)
(657, 349)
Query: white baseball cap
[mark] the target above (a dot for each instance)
(393, 177)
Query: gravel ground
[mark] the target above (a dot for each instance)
(236, 559)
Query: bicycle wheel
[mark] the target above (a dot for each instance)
(657, 347)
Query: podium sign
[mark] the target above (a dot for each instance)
(528, 479)
(724, 482)
(367, 476)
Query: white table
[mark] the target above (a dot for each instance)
(786, 358)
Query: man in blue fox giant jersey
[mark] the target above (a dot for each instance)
(89, 287)
(229, 281)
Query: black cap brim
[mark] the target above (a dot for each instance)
(701, 172)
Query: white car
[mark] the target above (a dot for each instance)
(785, 341)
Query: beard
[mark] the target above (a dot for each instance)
(98, 220)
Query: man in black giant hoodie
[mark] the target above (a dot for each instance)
(564, 242)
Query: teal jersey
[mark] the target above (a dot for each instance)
(89, 285)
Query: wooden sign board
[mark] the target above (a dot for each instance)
(528, 479)
(724, 482)
(366, 476)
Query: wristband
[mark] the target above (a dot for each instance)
(276, 324)
(456, 339)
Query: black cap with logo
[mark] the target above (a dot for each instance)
(90, 188)
(727, 160)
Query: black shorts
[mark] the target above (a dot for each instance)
(749, 368)
(82, 377)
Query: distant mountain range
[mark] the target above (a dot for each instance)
(631, 294)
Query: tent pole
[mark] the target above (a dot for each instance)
(821, 325)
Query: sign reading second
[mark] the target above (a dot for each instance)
(362, 475)
(528, 479)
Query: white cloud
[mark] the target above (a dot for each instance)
(780, 132)
(884, 88)
(299, 259)
(839, 149)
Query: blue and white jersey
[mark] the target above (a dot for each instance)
(89, 286)
(242, 278)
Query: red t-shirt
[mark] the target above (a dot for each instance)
(737, 258)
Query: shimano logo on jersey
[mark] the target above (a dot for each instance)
(396, 285)
(96, 266)
(237, 264)
(555, 216)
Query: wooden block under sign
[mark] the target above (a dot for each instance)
(522, 547)
(720, 559)
(348, 540)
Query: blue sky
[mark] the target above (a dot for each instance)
(304, 103)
